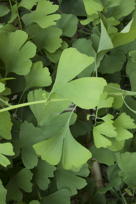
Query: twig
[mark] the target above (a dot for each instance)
(97, 174)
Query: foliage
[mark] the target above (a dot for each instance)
(67, 101)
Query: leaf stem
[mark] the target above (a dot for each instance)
(133, 111)
(29, 104)
(19, 19)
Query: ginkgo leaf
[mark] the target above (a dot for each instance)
(29, 135)
(61, 197)
(71, 151)
(69, 180)
(28, 4)
(92, 11)
(46, 112)
(3, 193)
(15, 52)
(68, 23)
(123, 134)
(20, 181)
(44, 171)
(103, 132)
(57, 148)
(105, 101)
(39, 76)
(66, 71)
(127, 164)
(6, 149)
(125, 121)
(95, 7)
(4, 10)
(100, 140)
(105, 42)
(48, 39)
(2, 87)
(122, 123)
(5, 125)
(84, 92)
(42, 15)
(50, 150)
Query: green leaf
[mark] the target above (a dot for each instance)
(92, 7)
(105, 101)
(125, 121)
(2, 87)
(68, 23)
(39, 76)
(84, 46)
(20, 181)
(42, 15)
(103, 132)
(29, 135)
(127, 164)
(84, 92)
(34, 202)
(6, 149)
(44, 171)
(4, 10)
(105, 42)
(15, 52)
(122, 123)
(3, 193)
(5, 125)
(130, 69)
(45, 112)
(61, 197)
(95, 7)
(103, 156)
(113, 62)
(114, 90)
(71, 7)
(47, 39)
(65, 73)
(122, 38)
(123, 8)
(69, 180)
(61, 146)
(28, 4)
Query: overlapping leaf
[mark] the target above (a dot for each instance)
(20, 181)
(70, 180)
(3, 193)
(38, 76)
(61, 146)
(6, 149)
(44, 171)
(84, 92)
(42, 15)
(111, 134)
(47, 39)
(15, 52)
(5, 125)
(29, 135)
